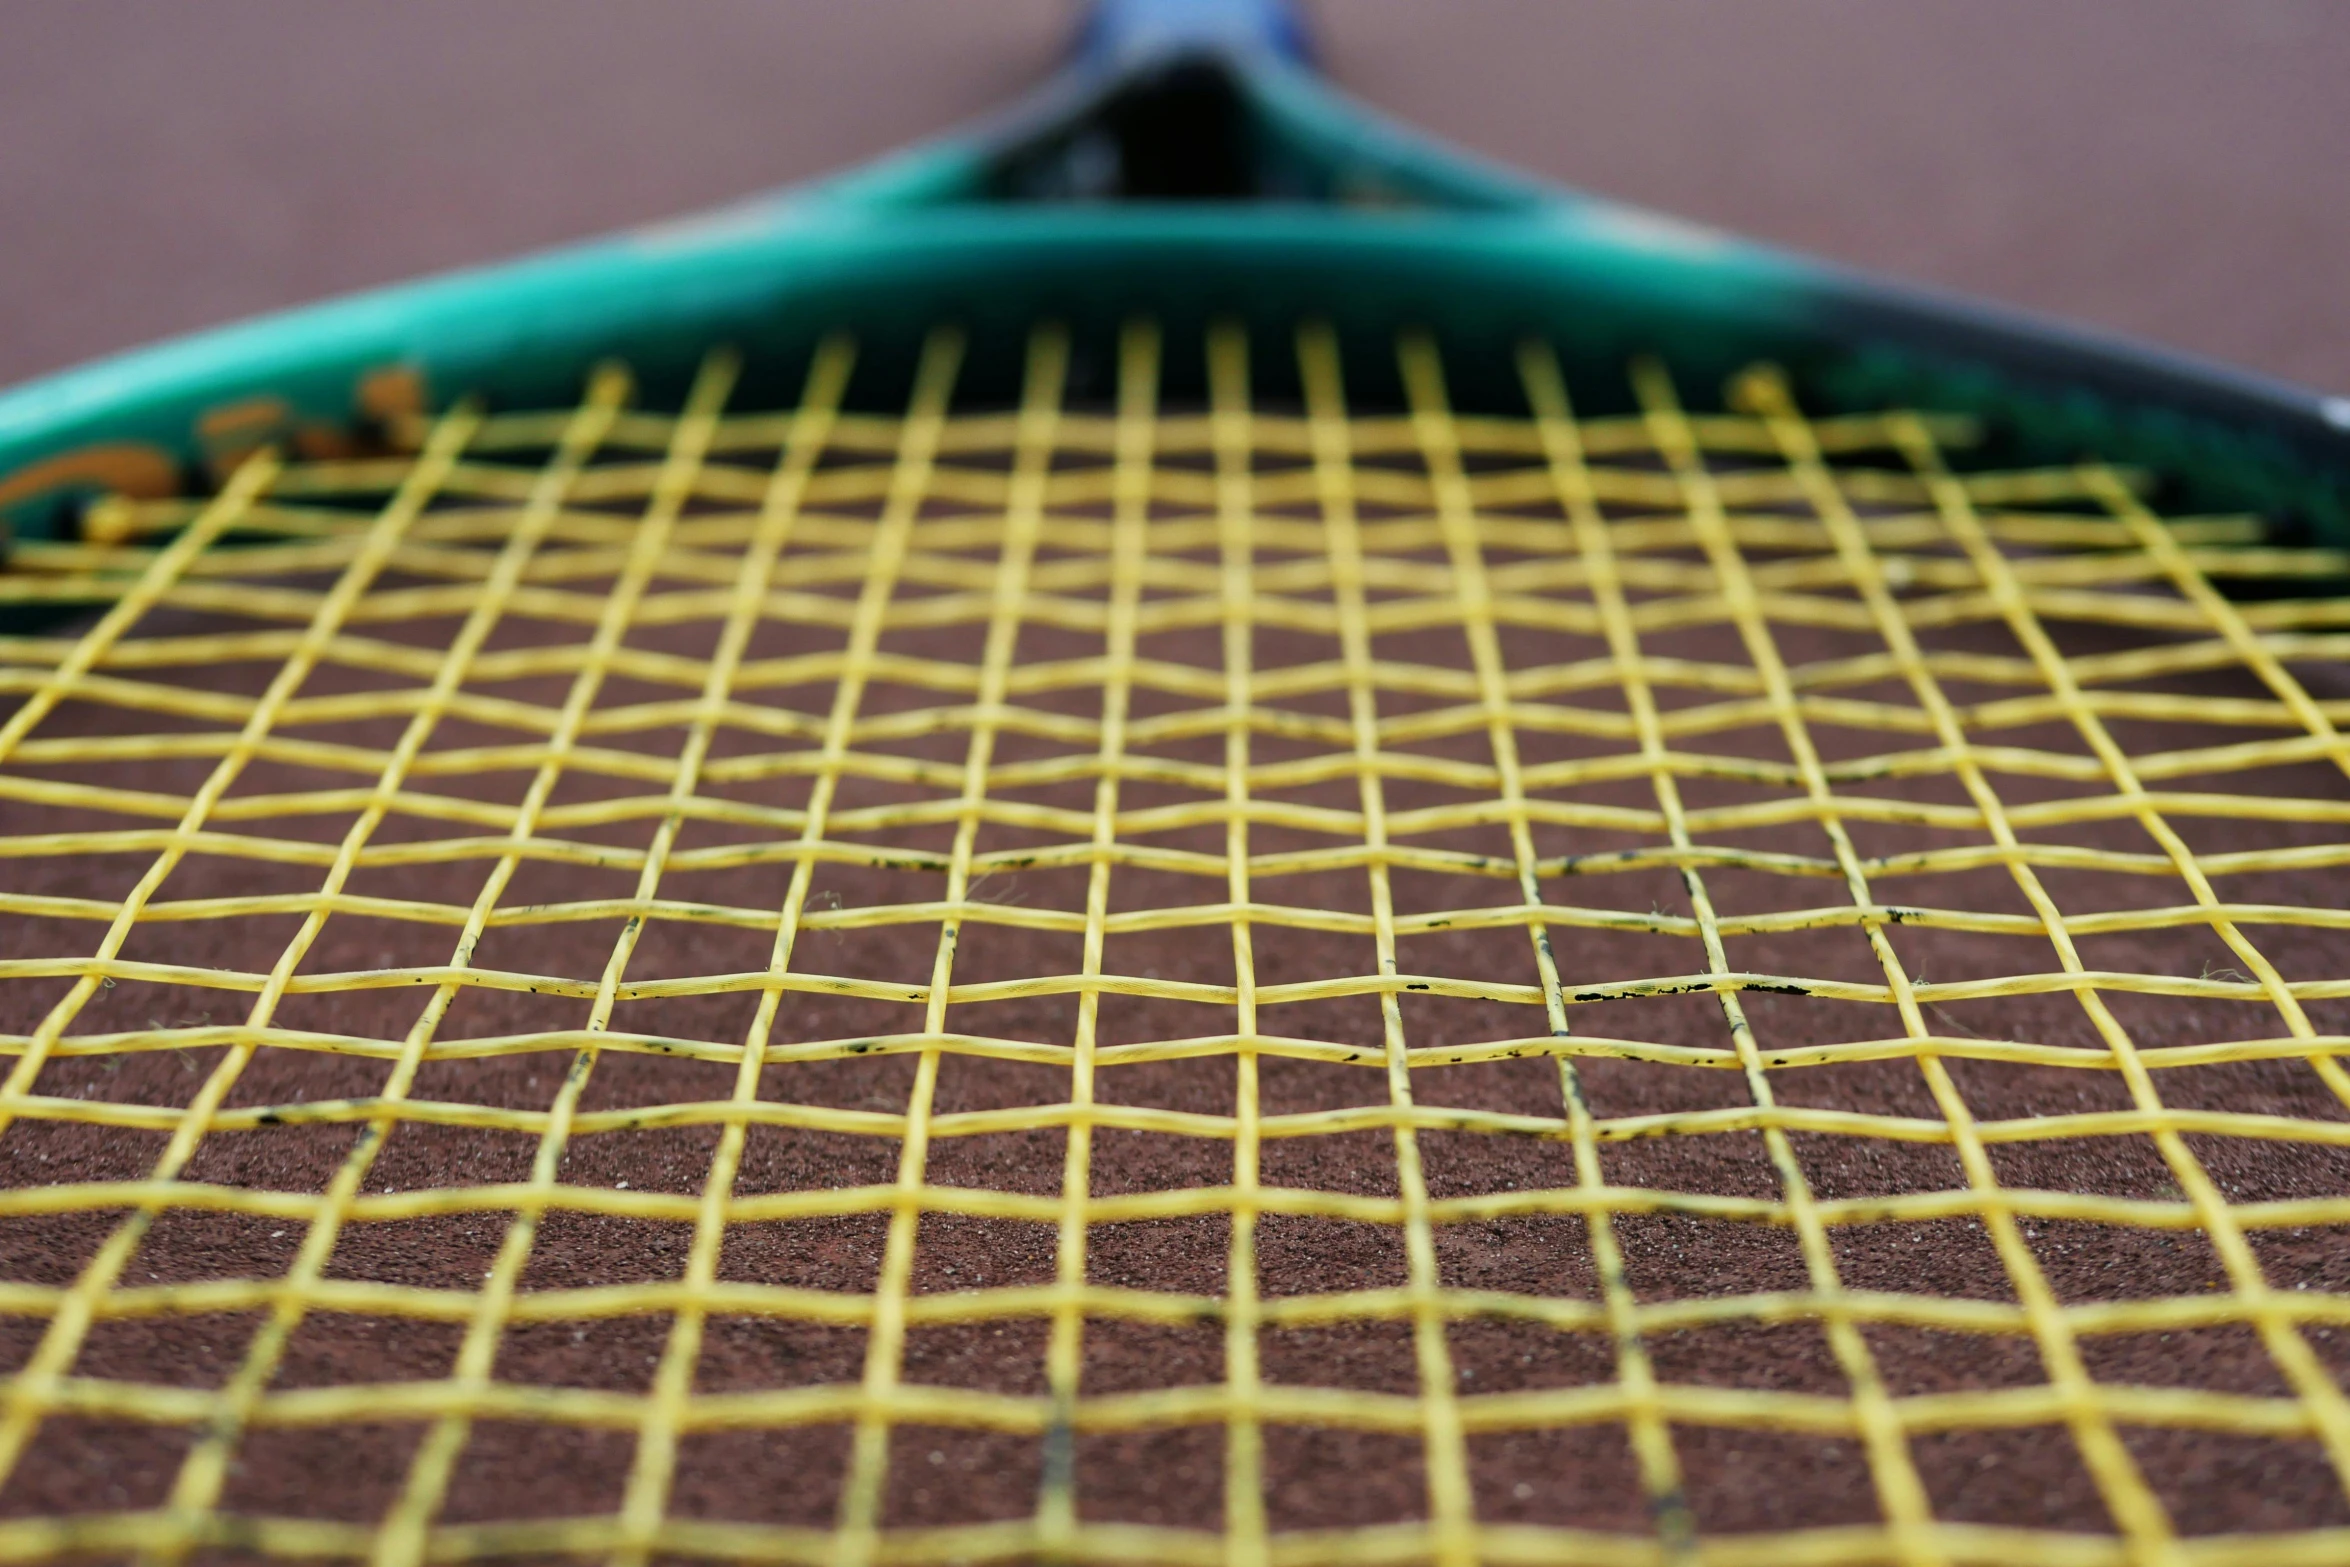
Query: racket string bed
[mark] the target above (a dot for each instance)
(1142, 665)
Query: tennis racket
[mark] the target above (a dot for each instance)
(1177, 832)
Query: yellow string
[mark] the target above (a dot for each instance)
(1238, 522)
(656, 1454)
(1652, 1446)
(1064, 1366)
(1235, 442)
(1443, 1442)
(402, 1541)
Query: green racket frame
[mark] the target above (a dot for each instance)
(1302, 204)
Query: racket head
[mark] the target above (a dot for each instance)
(1092, 202)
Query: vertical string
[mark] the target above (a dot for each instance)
(1034, 442)
(402, 1540)
(647, 1496)
(1138, 381)
(1233, 435)
(911, 476)
(1899, 1489)
(1456, 514)
(1452, 1520)
(203, 1471)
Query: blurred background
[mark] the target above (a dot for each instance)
(2176, 169)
